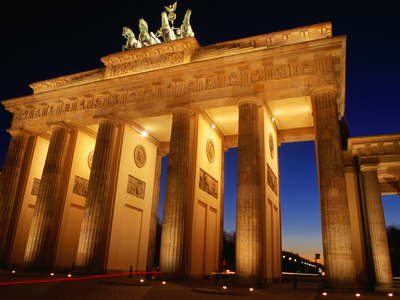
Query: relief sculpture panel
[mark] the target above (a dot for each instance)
(80, 186)
(35, 186)
(148, 63)
(136, 187)
(272, 180)
(208, 184)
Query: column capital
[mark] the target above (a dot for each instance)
(183, 109)
(248, 99)
(20, 132)
(330, 89)
(161, 152)
(61, 126)
(109, 121)
(369, 167)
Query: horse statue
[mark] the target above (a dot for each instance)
(146, 38)
(186, 29)
(166, 31)
(131, 41)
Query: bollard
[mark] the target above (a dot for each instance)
(130, 272)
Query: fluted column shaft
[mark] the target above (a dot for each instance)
(91, 249)
(9, 182)
(154, 212)
(41, 240)
(376, 226)
(173, 228)
(248, 214)
(335, 217)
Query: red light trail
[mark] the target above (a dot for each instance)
(80, 278)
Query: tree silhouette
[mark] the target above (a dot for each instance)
(393, 234)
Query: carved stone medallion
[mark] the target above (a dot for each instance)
(140, 156)
(90, 159)
(271, 145)
(210, 150)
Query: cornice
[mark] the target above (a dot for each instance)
(374, 145)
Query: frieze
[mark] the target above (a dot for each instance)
(173, 88)
(190, 85)
(257, 75)
(132, 96)
(234, 79)
(147, 64)
(211, 82)
(307, 67)
(281, 71)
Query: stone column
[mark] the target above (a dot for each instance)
(91, 247)
(248, 214)
(173, 227)
(40, 249)
(9, 181)
(154, 213)
(376, 227)
(335, 217)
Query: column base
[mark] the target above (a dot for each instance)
(35, 267)
(250, 281)
(172, 276)
(386, 288)
(87, 270)
(342, 286)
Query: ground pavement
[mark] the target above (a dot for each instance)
(34, 286)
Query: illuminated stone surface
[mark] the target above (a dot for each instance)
(376, 226)
(45, 221)
(174, 218)
(9, 182)
(91, 254)
(248, 220)
(335, 217)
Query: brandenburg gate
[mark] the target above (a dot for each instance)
(80, 184)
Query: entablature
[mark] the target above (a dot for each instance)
(382, 151)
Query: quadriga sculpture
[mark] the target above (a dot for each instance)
(167, 32)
